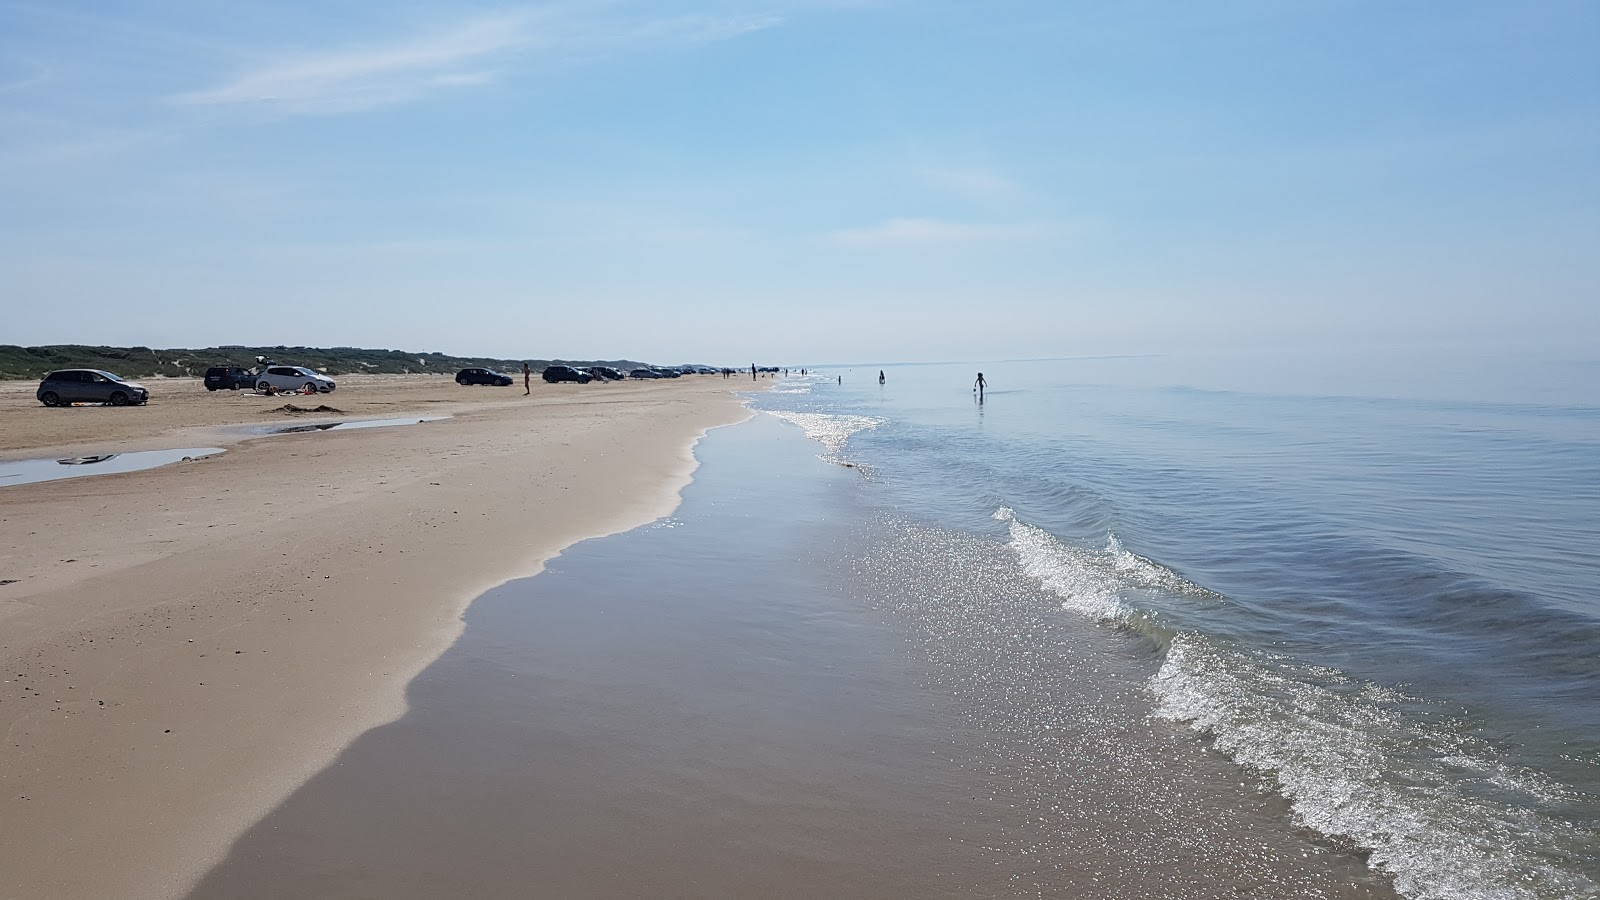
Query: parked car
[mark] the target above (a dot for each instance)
(554, 374)
(483, 376)
(609, 373)
(645, 373)
(293, 378)
(67, 386)
(229, 378)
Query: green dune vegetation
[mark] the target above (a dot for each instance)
(144, 362)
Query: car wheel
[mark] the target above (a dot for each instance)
(263, 387)
(210, 388)
(50, 398)
(118, 398)
(311, 387)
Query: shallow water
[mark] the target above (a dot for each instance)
(32, 471)
(1371, 583)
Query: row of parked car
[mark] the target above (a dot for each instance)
(579, 374)
(65, 387)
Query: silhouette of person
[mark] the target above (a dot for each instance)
(881, 379)
(527, 380)
(979, 385)
(841, 379)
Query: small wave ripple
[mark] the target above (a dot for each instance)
(1097, 583)
(1434, 806)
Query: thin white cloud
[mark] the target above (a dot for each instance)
(475, 52)
(356, 79)
(901, 232)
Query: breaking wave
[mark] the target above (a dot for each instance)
(1362, 763)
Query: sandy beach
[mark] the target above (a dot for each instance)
(185, 646)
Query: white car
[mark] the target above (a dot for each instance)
(293, 378)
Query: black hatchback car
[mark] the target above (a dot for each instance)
(228, 378)
(554, 374)
(483, 376)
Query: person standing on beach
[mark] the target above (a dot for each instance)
(979, 385)
(527, 380)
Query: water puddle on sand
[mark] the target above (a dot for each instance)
(32, 471)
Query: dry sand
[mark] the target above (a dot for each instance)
(182, 647)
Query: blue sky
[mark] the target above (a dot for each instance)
(728, 180)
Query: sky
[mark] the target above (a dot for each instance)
(727, 180)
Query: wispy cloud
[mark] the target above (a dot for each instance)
(475, 52)
(935, 231)
(373, 76)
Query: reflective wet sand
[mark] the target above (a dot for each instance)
(723, 705)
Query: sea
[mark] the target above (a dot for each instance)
(1371, 583)
(1276, 626)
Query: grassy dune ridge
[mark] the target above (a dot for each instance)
(138, 362)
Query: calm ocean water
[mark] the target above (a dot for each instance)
(1374, 584)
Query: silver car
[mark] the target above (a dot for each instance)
(68, 386)
(294, 378)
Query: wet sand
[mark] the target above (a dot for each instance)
(184, 646)
(723, 705)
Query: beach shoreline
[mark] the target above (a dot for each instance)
(186, 645)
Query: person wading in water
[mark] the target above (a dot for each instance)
(979, 385)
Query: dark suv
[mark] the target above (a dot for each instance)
(483, 376)
(229, 378)
(554, 374)
(68, 386)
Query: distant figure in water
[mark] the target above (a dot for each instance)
(527, 380)
(841, 379)
(979, 385)
(881, 379)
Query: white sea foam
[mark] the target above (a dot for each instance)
(1354, 766)
(1090, 581)
(1073, 574)
(830, 431)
